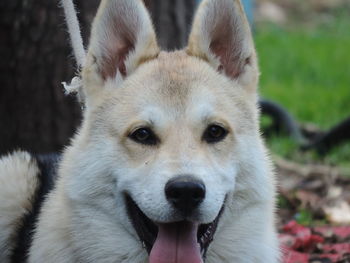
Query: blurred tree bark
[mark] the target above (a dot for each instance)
(172, 20)
(35, 114)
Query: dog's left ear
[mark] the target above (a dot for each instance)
(122, 38)
(221, 36)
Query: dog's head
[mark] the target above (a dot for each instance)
(173, 129)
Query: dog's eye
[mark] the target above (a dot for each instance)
(214, 133)
(144, 136)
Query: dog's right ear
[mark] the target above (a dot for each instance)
(122, 38)
(221, 36)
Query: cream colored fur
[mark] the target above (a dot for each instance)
(178, 94)
(18, 183)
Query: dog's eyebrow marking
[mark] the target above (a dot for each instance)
(152, 115)
(202, 111)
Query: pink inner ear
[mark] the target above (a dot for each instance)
(229, 56)
(116, 60)
(226, 44)
(118, 41)
(121, 62)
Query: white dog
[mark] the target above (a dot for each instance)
(168, 165)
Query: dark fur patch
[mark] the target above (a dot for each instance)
(48, 169)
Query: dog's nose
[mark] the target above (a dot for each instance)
(185, 193)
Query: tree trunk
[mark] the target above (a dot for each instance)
(35, 114)
(172, 19)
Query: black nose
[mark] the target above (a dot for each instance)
(185, 193)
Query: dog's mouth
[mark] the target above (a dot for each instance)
(178, 242)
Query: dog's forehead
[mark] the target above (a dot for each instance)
(177, 81)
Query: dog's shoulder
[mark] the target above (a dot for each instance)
(25, 179)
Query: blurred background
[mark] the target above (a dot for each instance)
(304, 56)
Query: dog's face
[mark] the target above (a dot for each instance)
(171, 128)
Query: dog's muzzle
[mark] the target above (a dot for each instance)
(182, 241)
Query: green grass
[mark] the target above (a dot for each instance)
(307, 70)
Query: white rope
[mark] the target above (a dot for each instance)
(74, 31)
(78, 48)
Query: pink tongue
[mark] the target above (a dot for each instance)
(176, 243)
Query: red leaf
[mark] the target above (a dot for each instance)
(301, 244)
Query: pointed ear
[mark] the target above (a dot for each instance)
(122, 38)
(221, 36)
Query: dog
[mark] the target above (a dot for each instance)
(168, 165)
